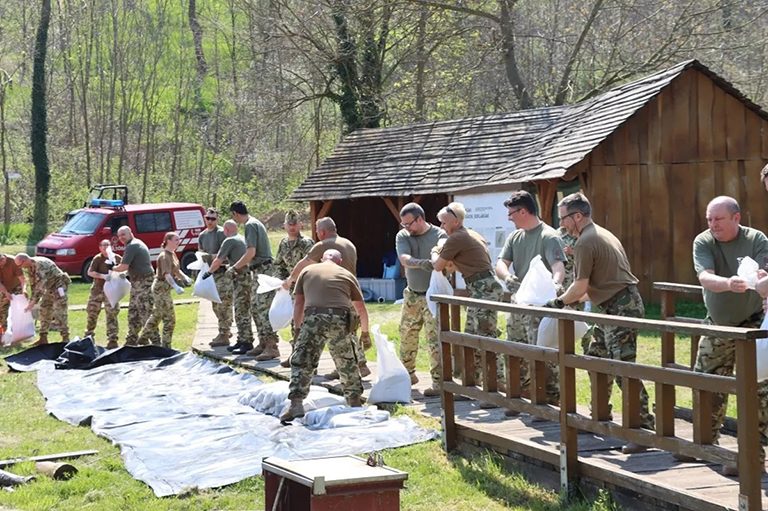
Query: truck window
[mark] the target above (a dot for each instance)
(153, 222)
(84, 222)
(117, 222)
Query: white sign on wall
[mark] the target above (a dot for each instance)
(487, 215)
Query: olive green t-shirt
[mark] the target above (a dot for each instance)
(419, 247)
(600, 258)
(99, 265)
(468, 251)
(210, 241)
(343, 245)
(256, 236)
(167, 263)
(136, 256)
(232, 249)
(522, 246)
(327, 284)
(730, 309)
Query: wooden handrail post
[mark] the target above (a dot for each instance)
(569, 442)
(750, 471)
(448, 411)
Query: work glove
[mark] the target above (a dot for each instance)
(187, 279)
(559, 289)
(109, 264)
(123, 275)
(107, 277)
(205, 275)
(424, 264)
(365, 340)
(179, 289)
(512, 283)
(557, 303)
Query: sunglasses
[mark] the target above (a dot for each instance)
(211, 218)
(449, 210)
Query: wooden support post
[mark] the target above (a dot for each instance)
(665, 410)
(667, 338)
(392, 208)
(489, 371)
(750, 493)
(468, 372)
(569, 441)
(448, 412)
(537, 370)
(513, 376)
(600, 397)
(630, 409)
(702, 417)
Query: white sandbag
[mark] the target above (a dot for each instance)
(761, 353)
(548, 333)
(315, 401)
(537, 287)
(748, 271)
(394, 382)
(198, 263)
(342, 416)
(438, 285)
(268, 283)
(21, 325)
(116, 288)
(281, 310)
(206, 288)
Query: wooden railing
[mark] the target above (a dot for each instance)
(669, 292)
(460, 346)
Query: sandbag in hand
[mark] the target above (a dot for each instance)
(557, 303)
(205, 275)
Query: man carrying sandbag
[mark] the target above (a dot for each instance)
(604, 276)
(100, 271)
(209, 242)
(531, 238)
(325, 295)
(49, 287)
(11, 283)
(717, 253)
(137, 263)
(414, 244)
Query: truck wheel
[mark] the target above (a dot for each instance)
(84, 271)
(187, 258)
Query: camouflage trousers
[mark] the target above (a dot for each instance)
(95, 301)
(718, 356)
(139, 307)
(315, 332)
(161, 311)
(260, 304)
(483, 321)
(53, 309)
(241, 296)
(5, 305)
(525, 329)
(415, 315)
(223, 310)
(619, 343)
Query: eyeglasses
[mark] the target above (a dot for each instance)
(568, 215)
(406, 225)
(513, 211)
(211, 218)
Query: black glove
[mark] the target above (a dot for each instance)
(557, 303)
(206, 274)
(513, 283)
(109, 264)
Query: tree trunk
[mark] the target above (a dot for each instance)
(514, 77)
(39, 130)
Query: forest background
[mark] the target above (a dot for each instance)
(214, 101)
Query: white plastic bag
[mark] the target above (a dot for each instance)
(206, 288)
(198, 263)
(394, 382)
(547, 335)
(268, 283)
(21, 325)
(748, 271)
(761, 353)
(116, 289)
(281, 310)
(438, 285)
(537, 287)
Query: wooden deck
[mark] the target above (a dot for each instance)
(650, 480)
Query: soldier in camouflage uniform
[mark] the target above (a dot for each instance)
(468, 251)
(49, 287)
(100, 271)
(136, 262)
(568, 243)
(414, 244)
(531, 238)
(168, 270)
(291, 250)
(325, 294)
(209, 242)
(12, 282)
(602, 272)
(235, 284)
(716, 256)
(258, 257)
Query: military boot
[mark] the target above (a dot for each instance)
(256, 351)
(354, 402)
(295, 411)
(219, 340)
(270, 351)
(111, 345)
(43, 339)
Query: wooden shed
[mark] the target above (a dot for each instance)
(649, 154)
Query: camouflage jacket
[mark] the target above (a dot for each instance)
(46, 277)
(289, 253)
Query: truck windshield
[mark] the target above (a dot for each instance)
(84, 222)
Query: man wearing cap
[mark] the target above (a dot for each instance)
(292, 249)
(136, 261)
(209, 243)
(531, 238)
(257, 257)
(603, 274)
(11, 283)
(468, 251)
(325, 295)
(100, 271)
(49, 285)
(329, 239)
(414, 244)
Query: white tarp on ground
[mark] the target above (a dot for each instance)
(179, 424)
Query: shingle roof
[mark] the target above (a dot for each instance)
(448, 156)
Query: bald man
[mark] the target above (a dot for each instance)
(236, 285)
(137, 263)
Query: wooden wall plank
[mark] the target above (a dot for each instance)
(599, 193)
(704, 191)
(654, 110)
(656, 225)
(735, 127)
(764, 139)
(674, 121)
(752, 135)
(754, 211)
(730, 179)
(639, 123)
(705, 94)
(717, 125)
(682, 179)
(633, 225)
(692, 137)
